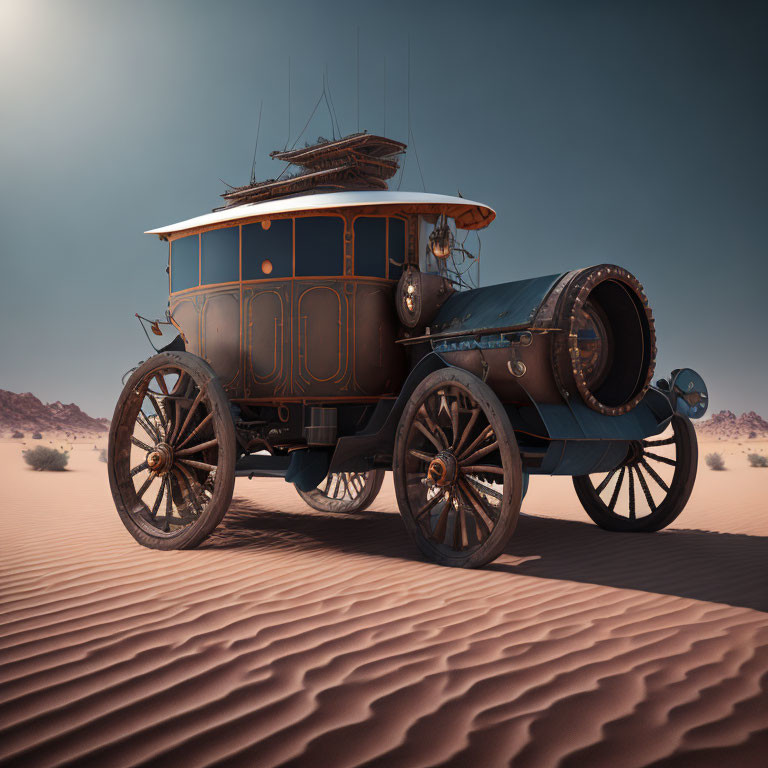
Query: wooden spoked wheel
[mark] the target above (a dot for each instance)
(457, 470)
(172, 452)
(651, 488)
(345, 491)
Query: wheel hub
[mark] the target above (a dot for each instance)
(443, 469)
(635, 453)
(160, 459)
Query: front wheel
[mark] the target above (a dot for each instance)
(345, 491)
(172, 447)
(650, 489)
(457, 470)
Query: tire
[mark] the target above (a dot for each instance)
(345, 492)
(172, 430)
(457, 470)
(648, 464)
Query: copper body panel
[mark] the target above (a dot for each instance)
(296, 339)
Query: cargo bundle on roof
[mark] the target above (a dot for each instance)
(359, 161)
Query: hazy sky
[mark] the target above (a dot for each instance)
(625, 132)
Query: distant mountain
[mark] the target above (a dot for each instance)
(728, 425)
(26, 413)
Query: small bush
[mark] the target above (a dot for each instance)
(757, 460)
(103, 455)
(37, 436)
(715, 461)
(17, 435)
(45, 459)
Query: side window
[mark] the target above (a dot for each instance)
(220, 256)
(396, 248)
(371, 246)
(185, 263)
(268, 249)
(319, 246)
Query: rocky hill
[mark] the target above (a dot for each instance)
(728, 426)
(25, 413)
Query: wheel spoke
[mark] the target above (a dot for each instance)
(177, 434)
(160, 379)
(460, 539)
(168, 501)
(141, 418)
(482, 488)
(158, 410)
(427, 433)
(632, 513)
(666, 441)
(479, 440)
(442, 521)
(655, 475)
(427, 457)
(145, 485)
(196, 430)
(139, 444)
(197, 448)
(607, 479)
(646, 489)
(467, 430)
(139, 468)
(433, 427)
(430, 503)
(479, 469)
(481, 453)
(476, 504)
(198, 465)
(158, 499)
(662, 459)
(188, 480)
(615, 496)
(454, 409)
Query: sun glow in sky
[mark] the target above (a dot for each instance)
(631, 133)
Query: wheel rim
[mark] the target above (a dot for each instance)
(454, 470)
(638, 488)
(167, 452)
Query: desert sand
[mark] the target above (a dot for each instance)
(298, 638)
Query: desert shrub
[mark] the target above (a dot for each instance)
(103, 455)
(37, 436)
(45, 459)
(715, 461)
(757, 460)
(17, 435)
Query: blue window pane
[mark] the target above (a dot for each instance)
(268, 252)
(185, 263)
(371, 246)
(396, 247)
(220, 256)
(319, 246)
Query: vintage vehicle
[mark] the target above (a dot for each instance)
(329, 329)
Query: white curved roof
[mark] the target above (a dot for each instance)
(467, 213)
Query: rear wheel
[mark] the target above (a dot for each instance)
(651, 488)
(345, 491)
(172, 450)
(457, 470)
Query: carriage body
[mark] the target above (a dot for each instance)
(324, 336)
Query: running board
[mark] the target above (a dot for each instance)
(254, 465)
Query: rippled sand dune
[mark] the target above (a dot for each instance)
(298, 638)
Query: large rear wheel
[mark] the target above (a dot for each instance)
(651, 488)
(345, 491)
(457, 470)
(172, 451)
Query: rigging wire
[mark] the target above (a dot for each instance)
(358, 79)
(333, 106)
(258, 130)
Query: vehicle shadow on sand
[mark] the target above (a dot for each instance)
(701, 565)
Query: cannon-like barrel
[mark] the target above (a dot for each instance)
(606, 349)
(586, 334)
